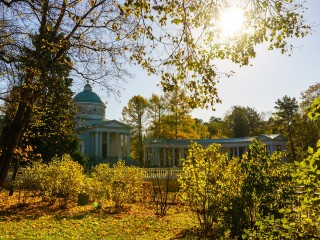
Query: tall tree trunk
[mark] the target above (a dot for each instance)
(292, 144)
(12, 136)
(15, 171)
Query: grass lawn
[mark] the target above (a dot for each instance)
(38, 220)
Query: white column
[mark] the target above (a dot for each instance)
(153, 159)
(117, 144)
(125, 146)
(100, 144)
(128, 145)
(158, 162)
(173, 157)
(179, 159)
(121, 142)
(96, 143)
(108, 144)
(164, 157)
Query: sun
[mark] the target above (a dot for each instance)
(231, 21)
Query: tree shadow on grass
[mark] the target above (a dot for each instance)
(197, 233)
(37, 208)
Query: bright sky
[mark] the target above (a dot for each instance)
(272, 76)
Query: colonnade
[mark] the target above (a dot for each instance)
(169, 156)
(107, 144)
(164, 156)
(169, 153)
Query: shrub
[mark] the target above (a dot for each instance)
(127, 183)
(280, 199)
(121, 184)
(29, 180)
(164, 195)
(266, 189)
(208, 183)
(98, 185)
(62, 178)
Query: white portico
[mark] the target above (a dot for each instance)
(101, 140)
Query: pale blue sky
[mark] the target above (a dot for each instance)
(272, 76)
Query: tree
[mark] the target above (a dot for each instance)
(178, 113)
(309, 95)
(242, 122)
(287, 109)
(215, 127)
(156, 109)
(306, 132)
(201, 128)
(170, 118)
(100, 35)
(185, 128)
(51, 130)
(135, 114)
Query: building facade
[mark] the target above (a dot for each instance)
(101, 140)
(168, 153)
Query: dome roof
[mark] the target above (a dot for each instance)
(87, 96)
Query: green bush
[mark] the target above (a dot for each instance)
(208, 183)
(121, 184)
(127, 184)
(29, 181)
(98, 185)
(61, 178)
(278, 200)
(267, 188)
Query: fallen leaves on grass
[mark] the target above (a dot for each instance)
(38, 220)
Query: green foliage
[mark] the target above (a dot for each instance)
(307, 175)
(242, 122)
(51, 128)
(267, 187)
(135, 114)
(157, 107)
(127, 184)
(215, 128)
(29, 180)
(314, 109)
(121, 184)
(62, 178)
(208, 183)
(170, 117)
(295, 212)
(286, 114)
(253, 198)
(98, 184)
(36, 45)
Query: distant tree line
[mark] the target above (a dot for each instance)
(168, 116)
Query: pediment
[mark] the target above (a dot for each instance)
(271, 137)
(111, 124)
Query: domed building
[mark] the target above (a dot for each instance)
(101, 140)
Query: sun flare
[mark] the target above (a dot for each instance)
(231, 21)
